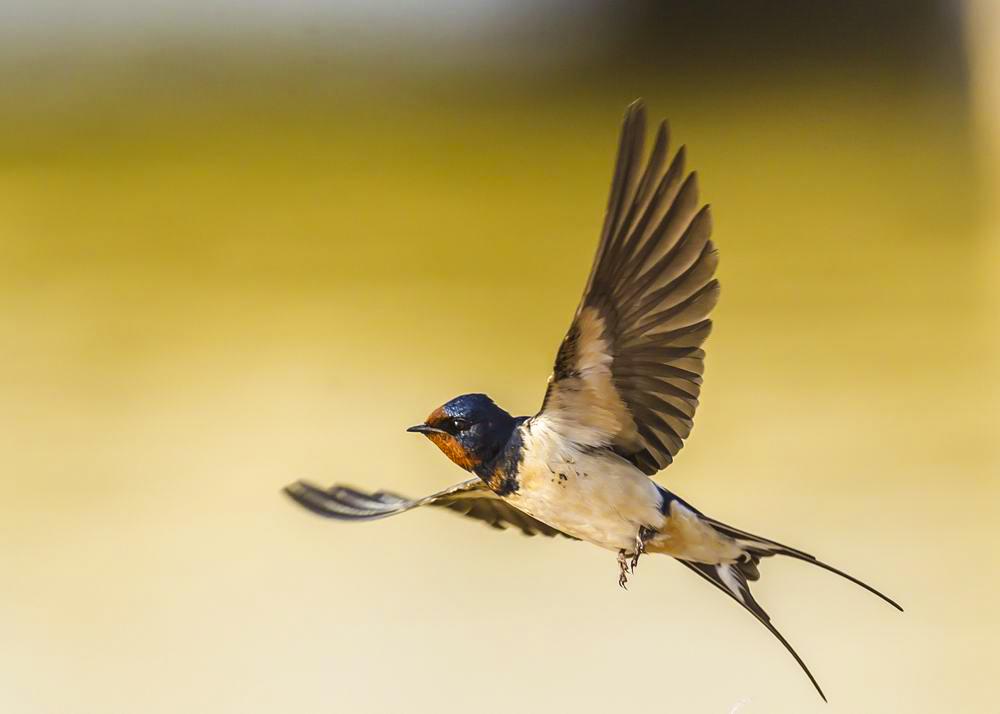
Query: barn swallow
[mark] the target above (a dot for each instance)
(619, 404)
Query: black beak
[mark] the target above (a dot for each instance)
(425, 429)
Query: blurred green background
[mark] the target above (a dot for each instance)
(244, 243)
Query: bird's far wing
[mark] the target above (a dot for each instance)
(628, 373)
(470, 498)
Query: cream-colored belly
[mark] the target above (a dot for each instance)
(594, 496)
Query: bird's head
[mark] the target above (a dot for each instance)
(469, 430)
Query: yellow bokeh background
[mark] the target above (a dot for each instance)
(222, 274)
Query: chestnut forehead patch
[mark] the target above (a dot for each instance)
(436, 417)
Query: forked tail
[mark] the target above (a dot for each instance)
(732, 579)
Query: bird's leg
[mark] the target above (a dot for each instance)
(626, 563)
(622, 569)
(641, 537)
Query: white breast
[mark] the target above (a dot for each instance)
(593, 495)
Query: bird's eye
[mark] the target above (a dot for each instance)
(459, 424)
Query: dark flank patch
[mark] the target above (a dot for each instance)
(500, 473)
(669, 498)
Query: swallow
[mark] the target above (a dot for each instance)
(618, 406)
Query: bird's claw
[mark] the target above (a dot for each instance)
(623, 570)
(640, 544)
(627, 564)
(635, 558)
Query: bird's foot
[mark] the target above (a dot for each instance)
(640, 548)
(623, 569)
(627, 562)
(641, 537)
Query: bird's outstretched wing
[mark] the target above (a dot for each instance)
(470, 498)
(628, 373)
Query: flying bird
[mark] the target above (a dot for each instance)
(619, 404)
